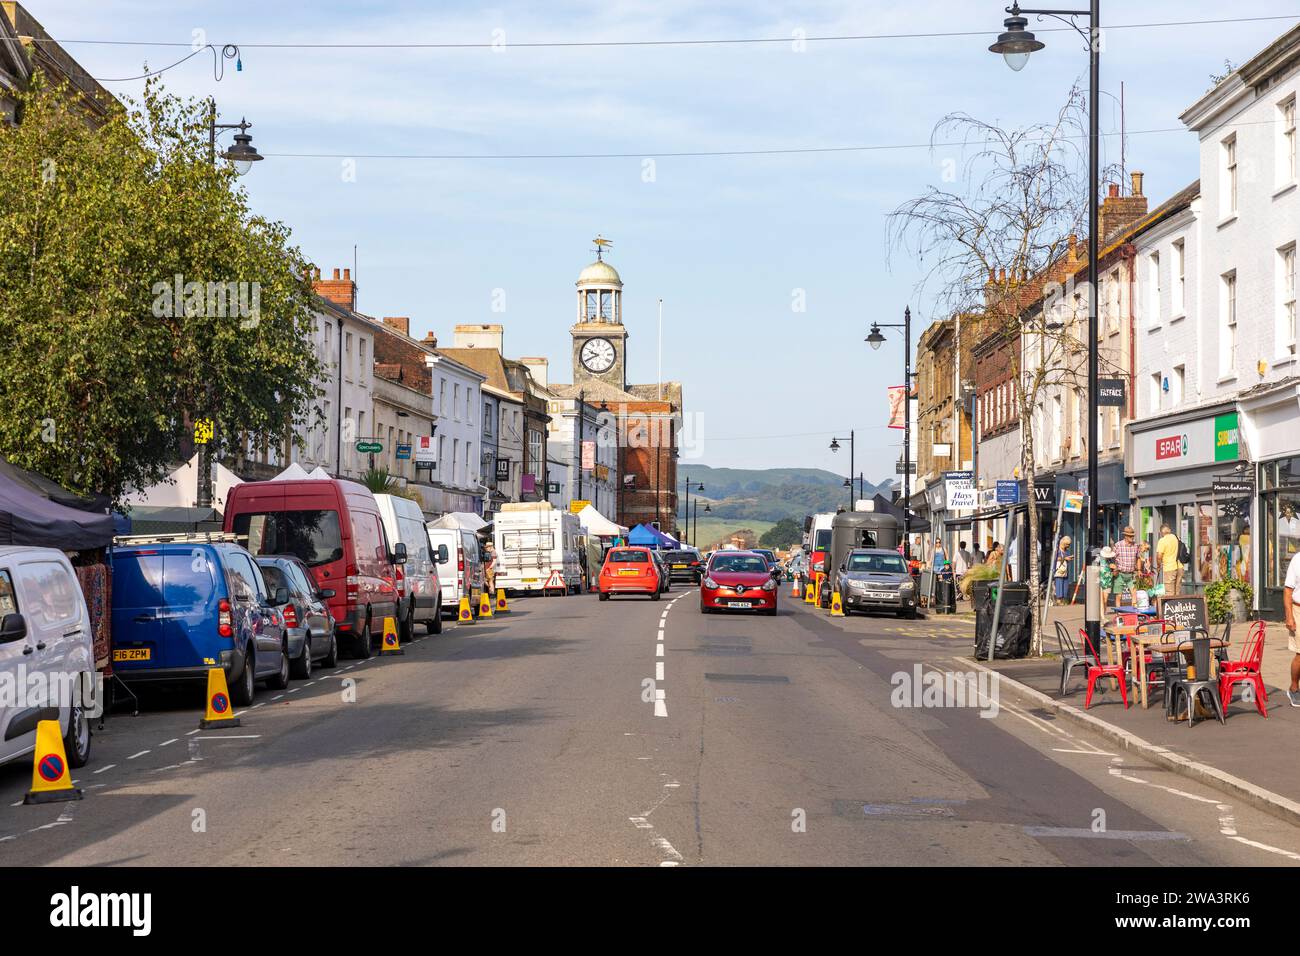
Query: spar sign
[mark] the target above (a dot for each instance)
(1190, 444)
(1172, 446)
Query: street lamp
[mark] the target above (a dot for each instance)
(698, 486)
(875, 339)
(1015, 45)
(835, 446)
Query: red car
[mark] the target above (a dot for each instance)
(738, 581)
(629, 571)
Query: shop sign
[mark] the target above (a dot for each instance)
(1226, 438)
(1233, 488)
(1008, 492)
(959, 489)
(1072, 502)
(1110, 392)
(1186, 445)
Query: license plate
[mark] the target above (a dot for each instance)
(627, 572)
(531, 580)
(742, 604)
(131, 654)
(681, 567)
(880, 595)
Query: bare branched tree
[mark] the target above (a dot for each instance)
(1001, 245)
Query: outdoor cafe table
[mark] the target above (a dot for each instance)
(1153, 641)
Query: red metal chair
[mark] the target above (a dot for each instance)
(1100, 670)
(1246, 670)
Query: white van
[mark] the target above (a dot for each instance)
(44, 630)
(536, 541)
(461, 571)
(419, 594)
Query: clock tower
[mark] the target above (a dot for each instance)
(599, 338)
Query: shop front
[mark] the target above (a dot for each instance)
(1271, 425)
(1188, 472)
(1113, 499)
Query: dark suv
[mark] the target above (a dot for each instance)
(685, 564)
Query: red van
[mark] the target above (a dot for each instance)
(334, 528)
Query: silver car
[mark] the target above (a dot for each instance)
(876, 579)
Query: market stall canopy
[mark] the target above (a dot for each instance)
(295, 472)
(459, 521)
(26, 518)
(916, 524)
(180, 488)
(53, 490)
(597, 524)
(648, 537)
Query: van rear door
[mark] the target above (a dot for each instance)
(187, 621)
(137, 602)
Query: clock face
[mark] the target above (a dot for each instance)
(597, 355)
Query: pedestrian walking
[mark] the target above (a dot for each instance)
(1126, 561)
(1290, 599)
(490, 567)
(1061, 572)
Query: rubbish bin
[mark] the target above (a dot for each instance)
(945, 596)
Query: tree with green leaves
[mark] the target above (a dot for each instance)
(138, 294)
(782, 535)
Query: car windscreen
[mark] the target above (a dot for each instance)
(881, 563)
(627, 557)
(748, 563)
(678, 557)
(312, 536)
(822, 541)
(274, 577)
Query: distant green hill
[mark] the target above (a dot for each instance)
(756, 498)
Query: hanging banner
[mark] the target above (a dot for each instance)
(898, 406)
(588, 455)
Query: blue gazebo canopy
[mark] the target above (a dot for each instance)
(648, 537)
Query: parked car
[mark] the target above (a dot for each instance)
(738, 581)
(630, 570)
(685, 564)
(334, 528)
(876, 579)
(665, 575)
(419, 592)
(308, 623)
(468, 578)
(44, 629)
(183, 604)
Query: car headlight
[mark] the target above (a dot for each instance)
(769, 585)
(709, 582)
(907, 585)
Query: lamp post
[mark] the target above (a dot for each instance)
(835, 446)
(695, 535)
(875, 340)
(1015, 45)
(242, 155)
(698, 486)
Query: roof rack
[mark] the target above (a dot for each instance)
(182, 537)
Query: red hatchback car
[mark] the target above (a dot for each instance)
(738, 581)
(629, 571)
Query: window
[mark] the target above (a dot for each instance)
(1286, 143)
(313, 536)
(1228, 326)
(1286, 300)
(1112, 302)
(1179, 279)
(1228, 199)
(1153, 281)
(442, 396)
(455, 401)
(591, 307)
(361, 352)
(1155, 392)
(1177, 384)
(487, 418)
(455, 460)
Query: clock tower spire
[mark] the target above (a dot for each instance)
(599, 338)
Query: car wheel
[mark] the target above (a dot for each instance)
(405, 626)
(705, 610)
(280, 679)
(302, 666)
(434, 626)
(76, 742)
(770, 612)
(604, 596)
(363, 648)
(331, 658)
(242, 692)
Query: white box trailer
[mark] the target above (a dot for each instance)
(537, 545)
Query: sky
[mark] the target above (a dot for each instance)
(733, 245)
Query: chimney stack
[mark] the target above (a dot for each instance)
(1137, 184)
(400, 323)
(1119, 212)
(538, 368)
(339, 291)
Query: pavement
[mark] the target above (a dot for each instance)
(642, 733)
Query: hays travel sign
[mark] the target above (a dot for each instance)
(1187, 445)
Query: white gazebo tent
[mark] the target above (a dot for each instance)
(597, 525)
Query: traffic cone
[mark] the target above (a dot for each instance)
(502, 607)
(390, 645)
(51, 781)
(808, 594)
(484, 605)
(219, 712)
(464, 616)
(837, 608)
(794, 587)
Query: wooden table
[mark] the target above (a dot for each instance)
(1153, 642)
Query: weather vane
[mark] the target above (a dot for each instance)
(601, 242)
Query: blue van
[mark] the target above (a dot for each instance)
(183, 604)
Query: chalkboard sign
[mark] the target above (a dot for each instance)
(1182, 613)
